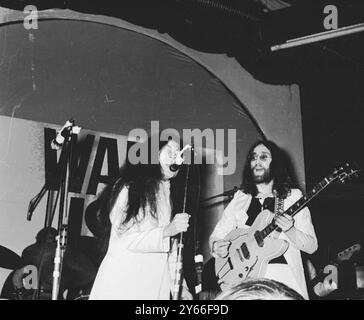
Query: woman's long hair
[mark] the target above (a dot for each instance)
(142, 181)
(279, 171)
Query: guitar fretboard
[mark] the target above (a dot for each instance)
(299, 204)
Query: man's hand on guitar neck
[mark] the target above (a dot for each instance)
(285, 222)
(221, 248)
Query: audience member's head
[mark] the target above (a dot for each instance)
(260, 289)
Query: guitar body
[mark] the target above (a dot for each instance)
(331, 270)
(248, 257)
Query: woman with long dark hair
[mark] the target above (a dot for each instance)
(139, 263)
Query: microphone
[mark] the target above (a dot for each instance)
(64, 133)
(179, 160)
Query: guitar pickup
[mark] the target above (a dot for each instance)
(239, 254)
(231, 266)
(259, 238)
(245, 250)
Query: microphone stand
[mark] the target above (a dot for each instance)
(63, 212)
(179, 266)
(47, 223)
(229, 193)
(50, 203)
(197, 249)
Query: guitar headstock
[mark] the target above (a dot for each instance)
(347, 253)
(344, 173)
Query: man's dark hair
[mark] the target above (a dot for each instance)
(279, 171)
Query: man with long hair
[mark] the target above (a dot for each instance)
(139, 263)
(266, 181)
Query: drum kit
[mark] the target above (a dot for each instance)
(64, 267)
(9, 259)
(80, 268)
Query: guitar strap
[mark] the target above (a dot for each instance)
(278, 208)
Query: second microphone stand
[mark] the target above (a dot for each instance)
(179, 266)
(63, 211)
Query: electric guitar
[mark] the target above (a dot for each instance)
(250, 250)
(340, 257)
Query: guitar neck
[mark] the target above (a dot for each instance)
(319, 278)
(298, 205)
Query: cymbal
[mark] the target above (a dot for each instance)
(9, 259)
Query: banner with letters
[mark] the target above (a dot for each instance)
(28, 163)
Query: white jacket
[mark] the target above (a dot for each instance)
(235, 216)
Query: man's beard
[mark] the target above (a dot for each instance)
(264, 178)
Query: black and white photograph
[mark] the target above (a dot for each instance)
(192, 150)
